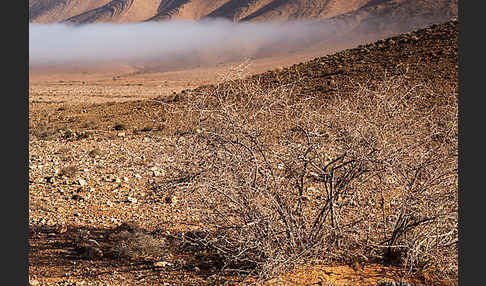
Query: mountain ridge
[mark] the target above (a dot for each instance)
(129, 11)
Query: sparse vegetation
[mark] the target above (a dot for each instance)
(89, 124)
(120, 126)
(341, 170)
(278, 180)
(133, 243)
(95, 152)
(63, 150)
(42, 131)
(69, 171)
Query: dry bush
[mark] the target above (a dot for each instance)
(120, 126)
(413, 135)
(69, 171)
(129, 242)
(48, 132)
(130, 245)
(95, 152)
(42, 131)
(278, 180)
(63, 150)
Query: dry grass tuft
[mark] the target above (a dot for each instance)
(43, 131)
(95, 152)
(69, 171)
(130, 242)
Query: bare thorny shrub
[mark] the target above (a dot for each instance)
(278, 180)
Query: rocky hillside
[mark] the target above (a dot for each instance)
(427, 56)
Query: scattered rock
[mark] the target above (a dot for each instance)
(162, 264)
(131, 200)
(78, 197)
(393, 283)
(109, 178)
(68, 252)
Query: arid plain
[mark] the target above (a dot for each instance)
(113, 161)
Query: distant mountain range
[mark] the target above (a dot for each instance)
(375, 12)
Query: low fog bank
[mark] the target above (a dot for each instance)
(165, 45)
(183, 41)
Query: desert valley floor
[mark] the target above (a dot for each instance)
(99, 144)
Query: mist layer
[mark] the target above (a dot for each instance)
(64, 44)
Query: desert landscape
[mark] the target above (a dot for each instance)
(332, 162)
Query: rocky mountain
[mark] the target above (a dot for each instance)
(346, 11)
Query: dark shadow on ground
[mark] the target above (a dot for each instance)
(95, 254)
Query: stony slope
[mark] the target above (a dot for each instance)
(398, 16)
(427, 56)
